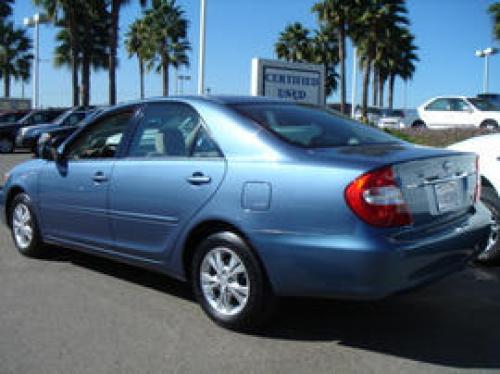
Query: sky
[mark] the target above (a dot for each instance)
(447, 32)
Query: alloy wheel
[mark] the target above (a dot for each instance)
(224, 281)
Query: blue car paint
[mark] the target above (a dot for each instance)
(307, 238)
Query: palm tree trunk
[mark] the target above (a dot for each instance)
(164, 72)
(342, 57)
(392, 78)
(381, 85)
(141, 73)
(113, 46)
(73, 30)
(366, 84)
(375, 86)
(6, 84)
(86, 80)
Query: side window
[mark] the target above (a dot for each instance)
(460, 105)
(167, 130)
(439, 104)
(73, 119)
(204, 146)
(101, 140)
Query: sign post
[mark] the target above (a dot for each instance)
(299, 82)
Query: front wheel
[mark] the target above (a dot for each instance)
(489, 124)
(6, 145)
(419, 124)
(24, 227)
(491, 251)
(229, 282)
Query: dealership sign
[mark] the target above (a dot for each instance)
(288, 81)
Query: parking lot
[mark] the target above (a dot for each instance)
(74, 313)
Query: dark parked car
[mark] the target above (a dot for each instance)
(57, 135)
(8, 131)
(250, 198)
(12, 116)
(27, 137)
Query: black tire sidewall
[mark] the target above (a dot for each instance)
(254, 312)
(34, 249)
(491, 200)
(489, 123)
(11, 145)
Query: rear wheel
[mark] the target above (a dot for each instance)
(418, 124)
(489, 124)
(491, 251)
(229, 282)
(6, 145)
(24, 227)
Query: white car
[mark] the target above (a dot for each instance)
(397, 118)
(488, 149)
(458, 111)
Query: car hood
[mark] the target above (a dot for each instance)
(367, 157)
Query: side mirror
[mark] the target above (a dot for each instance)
(48, 149)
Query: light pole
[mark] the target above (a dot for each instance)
(486, 53)
(183, 78)
(201, 59)
(35, 21)
(354, 81)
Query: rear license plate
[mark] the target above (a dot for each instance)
(447, 196)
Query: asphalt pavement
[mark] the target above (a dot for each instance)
(75, 313)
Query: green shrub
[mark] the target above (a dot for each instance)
(438, 138)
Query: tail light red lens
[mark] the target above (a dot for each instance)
(477, 194)
(376, 199)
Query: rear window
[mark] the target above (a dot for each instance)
(311, 127)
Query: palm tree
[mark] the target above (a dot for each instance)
(325, 52)
(68, 11)
(116, 6)
(136, 44)
(92, 41)
(294, 43)
(374, 20)
(404, 62)
(5, 8)
(494, 10)
(15, 55)
(167, 31)
(339, 15)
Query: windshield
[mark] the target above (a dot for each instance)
(61, 117)
(311, 127)
(25, 118)
(483, 104)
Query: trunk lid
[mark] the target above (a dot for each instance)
(437, 184)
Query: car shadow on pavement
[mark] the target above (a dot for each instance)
(133, 274)
(454, 323)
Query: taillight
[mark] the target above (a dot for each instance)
(376, 199)
(477, 193)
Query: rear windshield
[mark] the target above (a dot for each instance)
(311, 127)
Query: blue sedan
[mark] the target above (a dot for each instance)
(251, 198)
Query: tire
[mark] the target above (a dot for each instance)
(24, 227)
(490, 254)
(489, 124)
(418, 124)
(238, 309)
(6, 145)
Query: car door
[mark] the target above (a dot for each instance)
(437, 113)
(172, 169)
(74, 190)
(462, 114)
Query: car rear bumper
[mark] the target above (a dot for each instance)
(364, 267)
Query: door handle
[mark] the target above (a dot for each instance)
(198, 178)
(99, 177)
